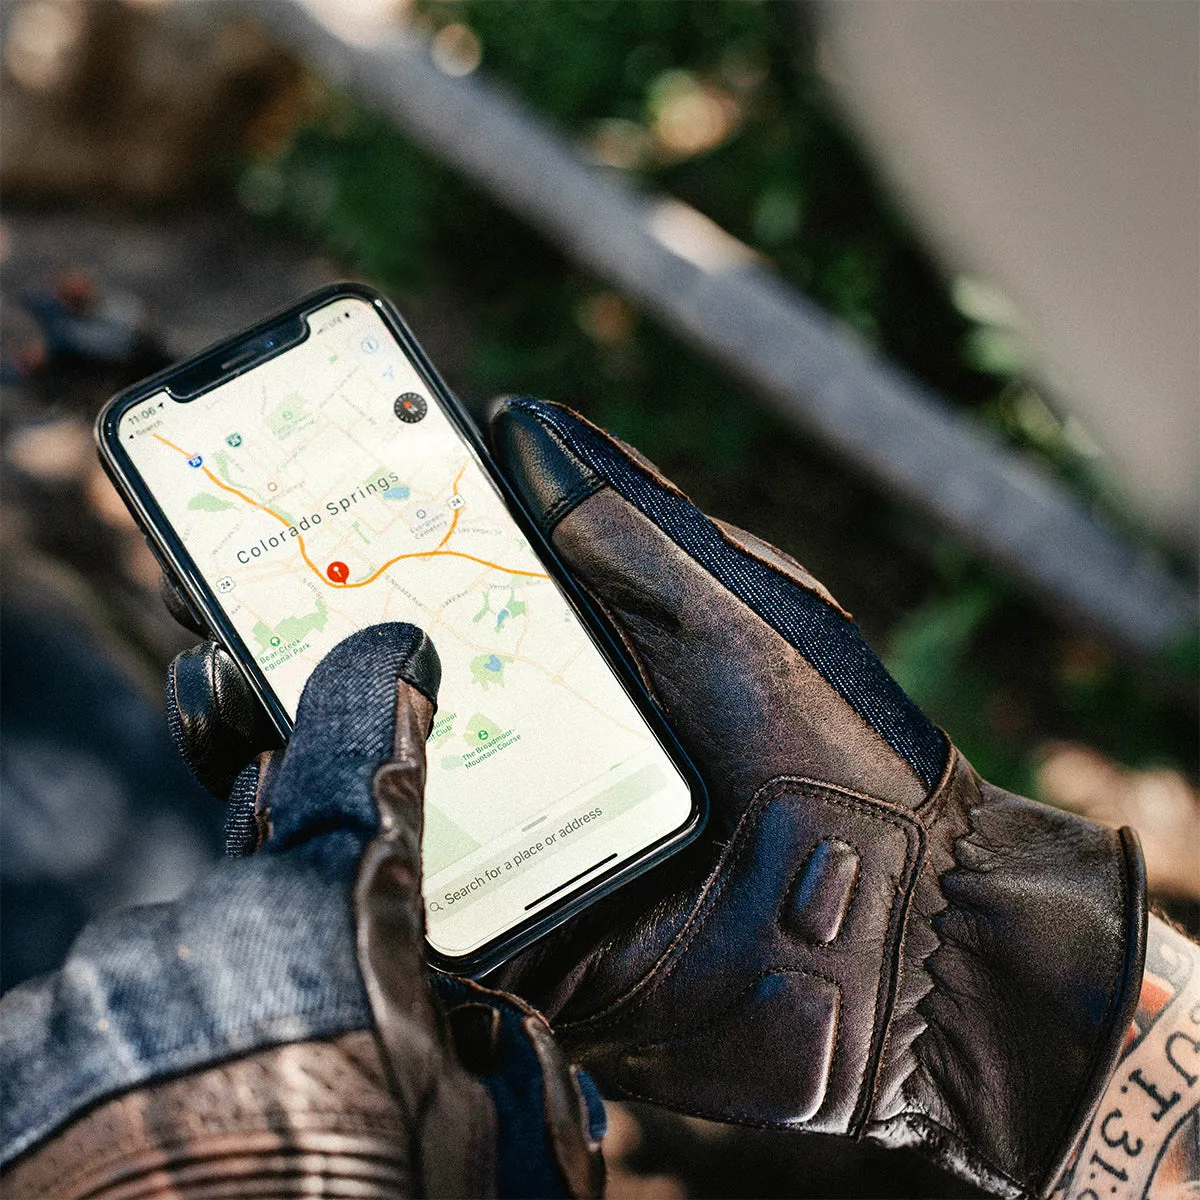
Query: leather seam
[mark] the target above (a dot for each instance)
(738, 1116)
(715, 1020)
(713, 886)
(892, 952)
(566, 503)
(931, 807)
(900, 917)
(746, 1122)
(742, 548)
(769, 791)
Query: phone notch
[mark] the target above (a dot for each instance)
(229, 361)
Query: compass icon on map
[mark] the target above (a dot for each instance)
(410, 407)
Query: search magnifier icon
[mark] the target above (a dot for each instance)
(435, 907)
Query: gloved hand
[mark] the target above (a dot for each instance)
(868, 939)
(275, 1027)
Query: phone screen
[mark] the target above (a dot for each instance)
(326, 490)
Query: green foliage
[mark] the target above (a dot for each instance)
(721, 105)
(930, 657)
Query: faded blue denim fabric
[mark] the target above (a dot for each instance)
(833, 644)
(260, 953)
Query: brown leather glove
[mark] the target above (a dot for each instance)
(867, 939)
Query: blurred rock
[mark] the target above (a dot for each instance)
(1160, 804)
(623, 1138)
(95, 303)
(136, 102)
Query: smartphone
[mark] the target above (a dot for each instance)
(313, 476)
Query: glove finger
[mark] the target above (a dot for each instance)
(246, 819)
(216, 720)
(739, 644)
(355, 765)
(180, 606)
(353, 781)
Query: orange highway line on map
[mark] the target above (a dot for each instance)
(454, 521)
(390, 563)
(251, 501)
(443, 554)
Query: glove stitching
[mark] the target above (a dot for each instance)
(769, 791)
(686, 1111)
(740, 1116)
(711, 1021)
(564, 504)
(1105, 1033)
(930, 809)
(713, 886)
(656, 977)
(892, 954)
(750, 552)
(897, 978)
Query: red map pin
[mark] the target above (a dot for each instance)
(338, 572)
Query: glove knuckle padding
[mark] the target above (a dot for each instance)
(815, 922)
(868, 939)
(968, 981)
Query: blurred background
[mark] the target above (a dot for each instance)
(979, 221)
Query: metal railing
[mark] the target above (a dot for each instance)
(712, 290)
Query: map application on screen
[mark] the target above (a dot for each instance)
(325, 491)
